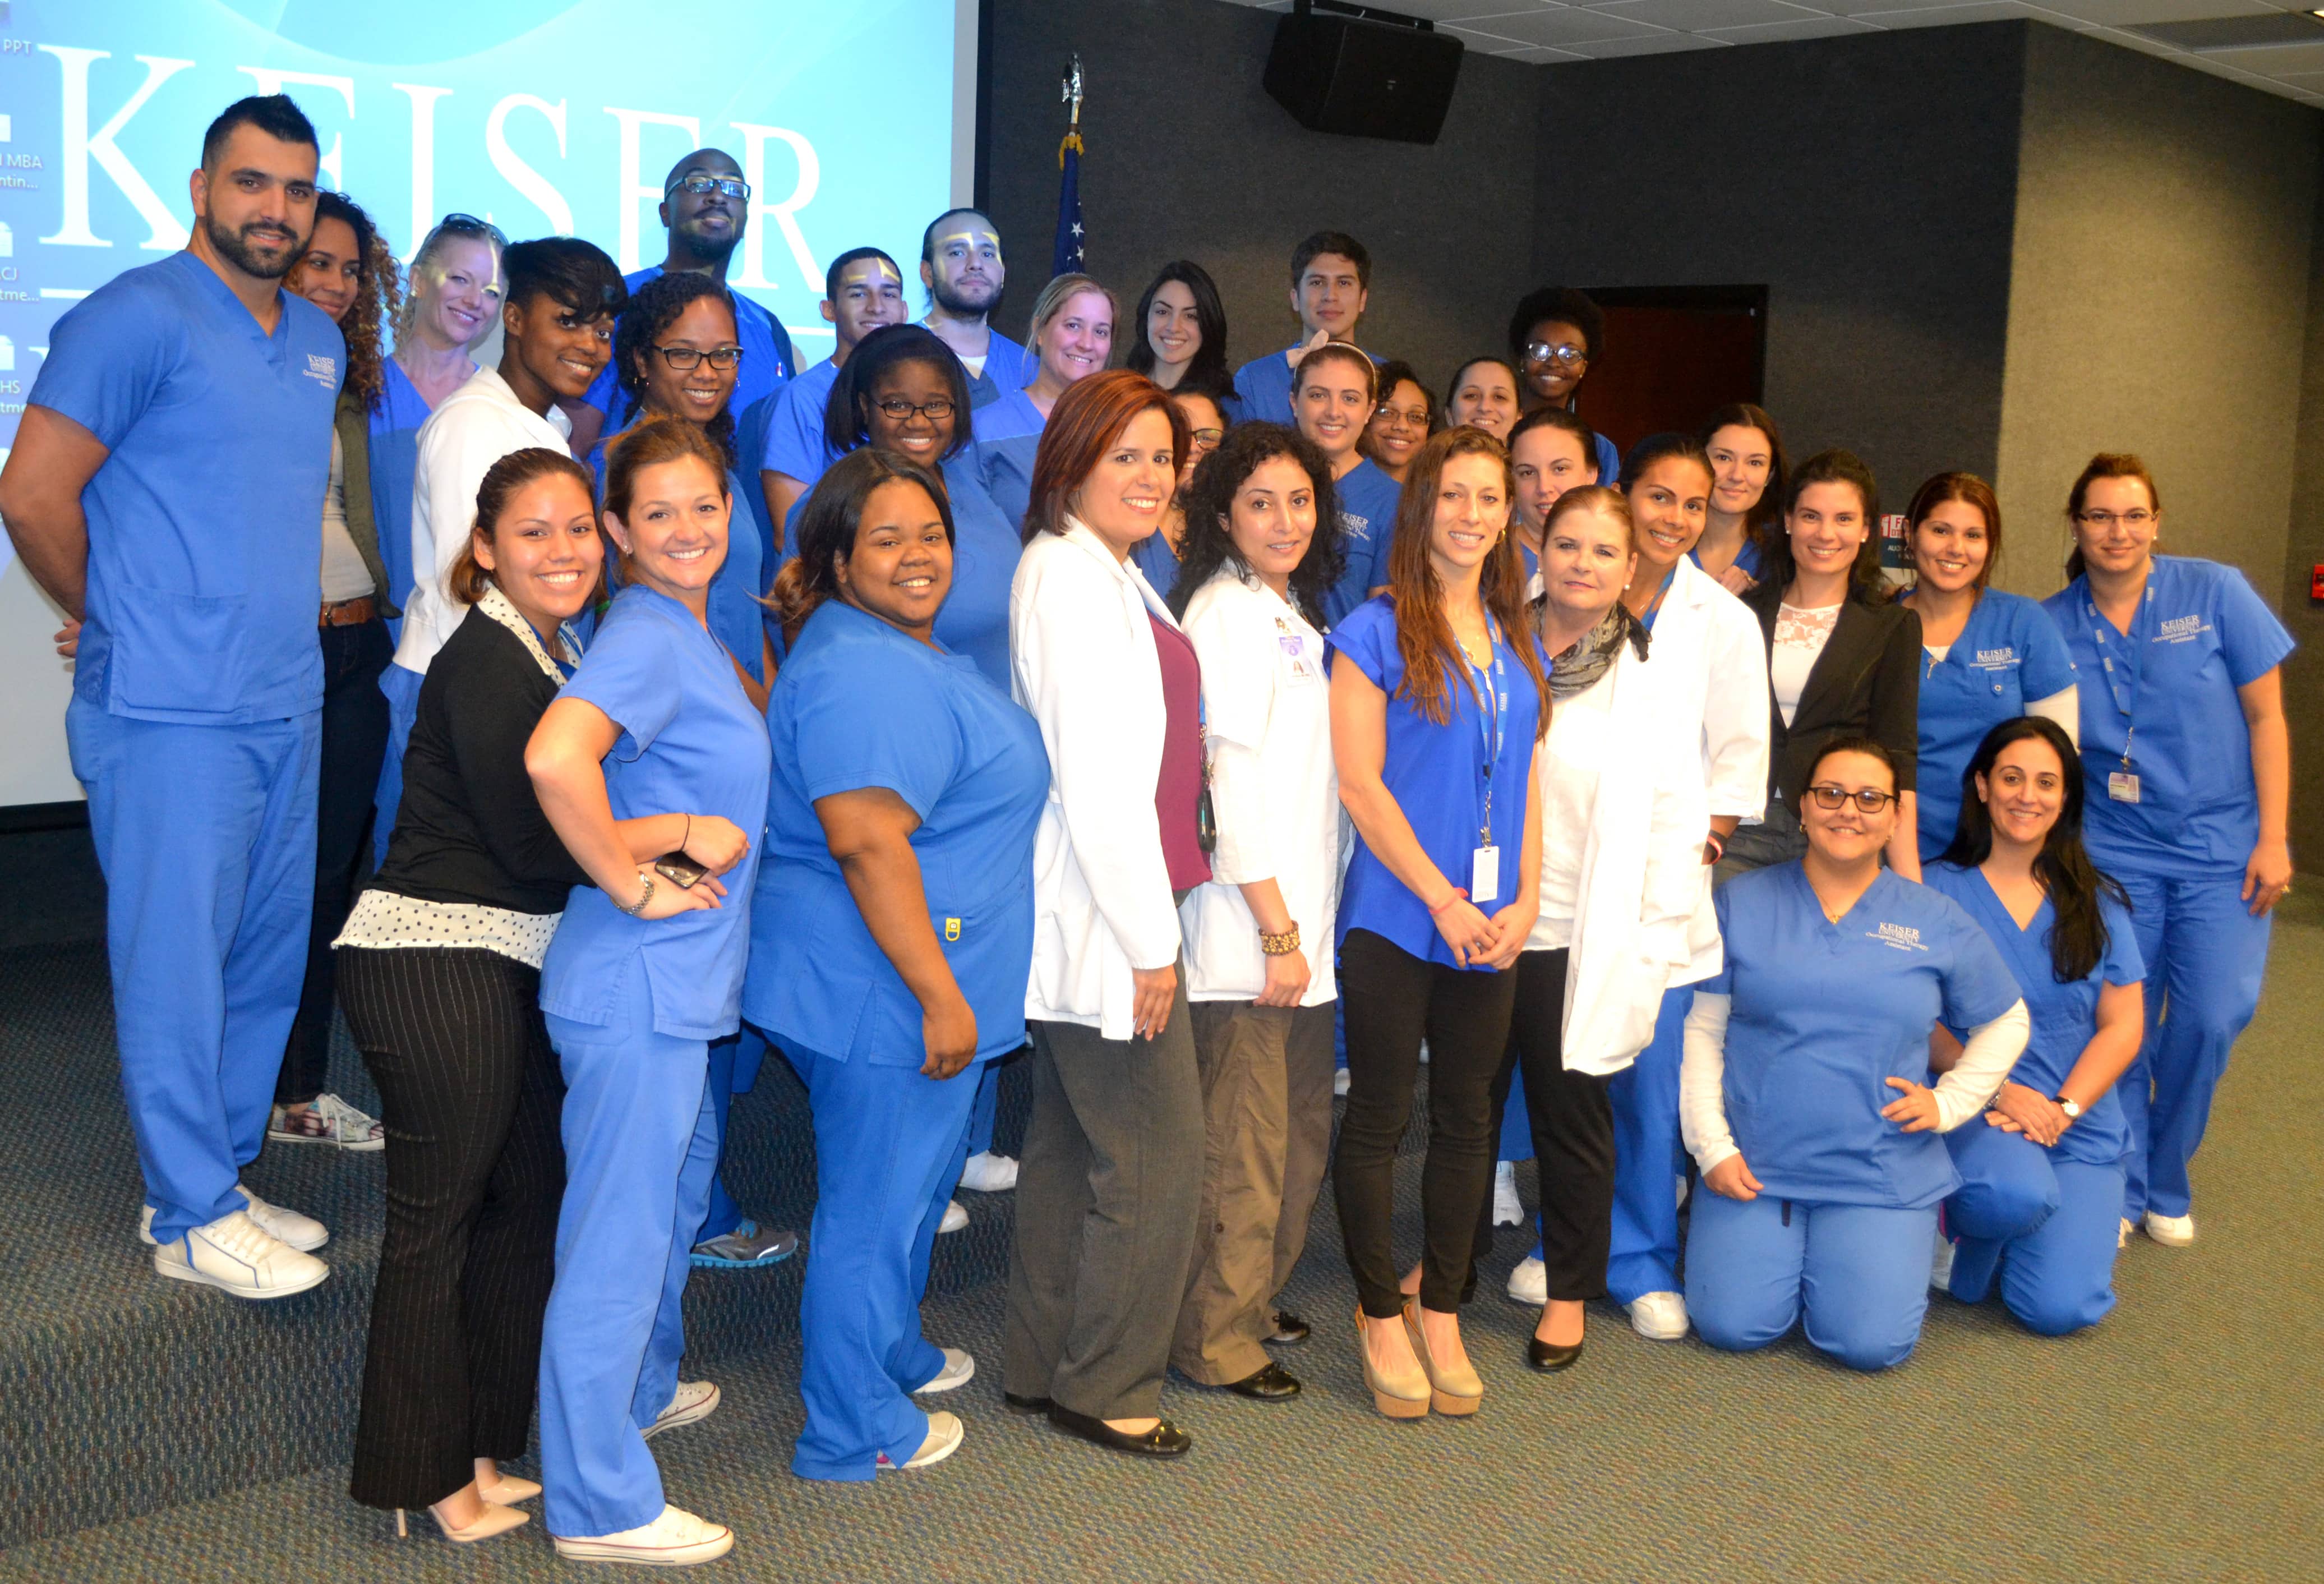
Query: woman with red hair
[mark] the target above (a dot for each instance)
(1109, 1183)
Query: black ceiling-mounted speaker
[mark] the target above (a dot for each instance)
(1363, 73)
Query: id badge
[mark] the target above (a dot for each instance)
(2122, 786)
(1484, 875)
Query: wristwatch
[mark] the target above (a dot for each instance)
(2072, 1108)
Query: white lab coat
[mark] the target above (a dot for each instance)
(1082, 662)
(1643, 881)
(473, 428)
(1718, 680)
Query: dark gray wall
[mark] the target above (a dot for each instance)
(1868, 183)
(2303, 673)
(1188, 158)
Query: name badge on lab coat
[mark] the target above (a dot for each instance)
(1297, 665)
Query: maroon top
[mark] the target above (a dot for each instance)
(1179, 788)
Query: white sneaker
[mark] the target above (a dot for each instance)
(1529, 1282)
(235, 1254)
(955, 1218)
(1508, 1211)
(327, 1119)
(989, 1173)
(1941, 1264)
(1340, 1083)
(945, 1433)
(1658, 1317)
(958, 1370)
(2171, 1231)
(678, 1539)
(303, 1233)
(693, 1401)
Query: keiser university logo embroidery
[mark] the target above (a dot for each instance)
(2183, 629)
(323, 371)
(1903, 937)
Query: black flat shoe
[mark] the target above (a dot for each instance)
(1290, 1331)
(1164, 1440)
(1029, 1405)
(1550, 1356)
(1269, 1385)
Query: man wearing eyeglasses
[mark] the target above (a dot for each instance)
(861, 291)
(706, 207)
(1553, 336)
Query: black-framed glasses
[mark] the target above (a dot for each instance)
(702, 186)
(1208, 439)
(1868, 799)
(683, 359)
(2136, 518)
(1563, 352)
(897, 410)
(469, 225)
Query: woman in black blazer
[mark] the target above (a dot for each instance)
(1843, 659)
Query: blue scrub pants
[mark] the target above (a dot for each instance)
(987, 1106)
(2047, 1223)
(889, 1145)
(1649, 1157)
(206, 835)
(1858, 1274)
(734, 1064)
(641, 1147)
(2206, 956)
(402, 689)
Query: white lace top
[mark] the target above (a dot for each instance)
(1800, 634)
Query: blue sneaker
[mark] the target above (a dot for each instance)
(748, 1248)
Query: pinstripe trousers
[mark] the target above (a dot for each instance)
(470, 1094)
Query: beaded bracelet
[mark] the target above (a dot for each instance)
(1282, 945)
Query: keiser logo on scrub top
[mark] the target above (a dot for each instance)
(2183, 629)
(1903, 937)
(2005, 655)
(323, 371)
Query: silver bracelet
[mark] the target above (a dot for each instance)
(639, 906)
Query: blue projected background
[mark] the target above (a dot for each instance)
(853, 121)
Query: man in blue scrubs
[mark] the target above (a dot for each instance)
(162, 490)
(705, 206)
(861, 291)
(962, 267)
(1331, 283)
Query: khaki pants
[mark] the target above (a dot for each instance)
(1267, 1111)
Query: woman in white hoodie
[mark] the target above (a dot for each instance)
(1110, 1181)
(1619, 798)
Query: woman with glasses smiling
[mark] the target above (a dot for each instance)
(1402, 422)
(1553, 336)
(1823, 1200)
(2182, 731)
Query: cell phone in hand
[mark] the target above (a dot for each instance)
(680, 870)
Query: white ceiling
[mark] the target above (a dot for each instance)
(1597, 30)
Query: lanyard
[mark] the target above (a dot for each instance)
(2123, 679)
(1494, 722)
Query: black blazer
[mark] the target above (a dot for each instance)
(1867, 682)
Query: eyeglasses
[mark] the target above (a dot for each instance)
(1207, 439)
(1868, 800)
(2138, 517)
(897, 410)
(1563, 352)
(702, 186)
(1410, 417)
(469, 225)
(683, 359)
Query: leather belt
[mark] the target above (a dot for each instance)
(349, 613)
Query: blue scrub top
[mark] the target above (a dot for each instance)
(1439, 776)
(1153, 556)
(2064, 1016)
(795, 440)
(860, 704)
(1747, 559)
(2009, 654)
(1368, 503)
(737, 619)
(204, 562)
(394, 471)
(767, 362)
(974, 620)
(1007, 439)
(2163, 696)
(1008, 367)
(691, 743)
(1823, 1015)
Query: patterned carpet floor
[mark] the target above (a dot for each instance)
(2177, 1440)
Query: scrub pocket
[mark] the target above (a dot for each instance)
(172, 650)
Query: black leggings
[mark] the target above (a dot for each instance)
(1573, 1136)
(1391, 1000)
(471, 1095)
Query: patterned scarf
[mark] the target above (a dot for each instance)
(1581, 667)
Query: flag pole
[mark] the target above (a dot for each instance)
(1065, 256)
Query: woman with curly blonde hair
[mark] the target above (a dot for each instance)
(348, 272)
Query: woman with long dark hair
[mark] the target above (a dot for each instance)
(349, 273)
(1748, 476)
(2183, 730)
(2041, 1195)
(1402, 422)
(1259, 933)
(1436, 720)
(1179, 332)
